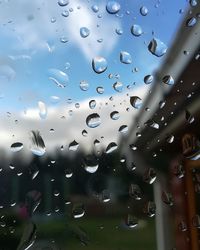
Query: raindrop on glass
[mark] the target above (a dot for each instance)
(136, 30)
(90, 164)
(167, 198)
(123, 129)
(65, 13)
(149, 176)
(119, 31)
(42, 110)
(191, 22)
(135, 192)
(68, 173)
(150, 209)
(59, 77)
(84, 85)
(78, 211)
(63, 3)
(95, 8)
(112, 7)
(73, 146)
(111, 147)
(84, 32)
(16, 147)
(114, 115)
(193, 3)
(143, 11)
(170, 138)
(105, 196)
(125, 57)
(168, 80)
(93, 120)
(136, 102)
(157, 48)
(148, 79)
(92, 104)
(131, 221)
(100, 90)
(37, 143)
(152, 124)
(99, 64)
(118, 86)
(189, 118)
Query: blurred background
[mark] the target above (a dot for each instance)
(99, 124)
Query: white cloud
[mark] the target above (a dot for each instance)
(70, 128)
(31, 22)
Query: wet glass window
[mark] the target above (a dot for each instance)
(99, 124)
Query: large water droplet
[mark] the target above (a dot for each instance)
(16, 147)
(162, 104)
(84, 85)
(99, 64)
(150, 176)
(65, 13)
(93, 120)
(59, 77)
(168, 80)
(33, 200)
(148, 79)
(167, 198)
(191, 22)
(95, 8)
(150, 209)
(123, 129)
(84, 32)
(131, 221)
(90, 164)
(170, 138)
(100, 90)
(92, 104)
(193, 3)
(135, 192)
(111, 147)
(136, 102)
(105, 196)
(114, 115)
(42, 110)
(118, 86)
(68, 173)
(63, 3)
(73, 146)
(125, 57)
(78, 211)
(143, 11)
(157, 48)
(37, 143)
(189, 118)
(152, 124)
(119, 31)
(112, 7)
(136, 30)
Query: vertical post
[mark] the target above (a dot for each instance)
(163, 230)
(191, 206)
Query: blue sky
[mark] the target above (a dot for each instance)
(26, 32)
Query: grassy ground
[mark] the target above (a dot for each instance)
(91, 233)
(100, 234)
